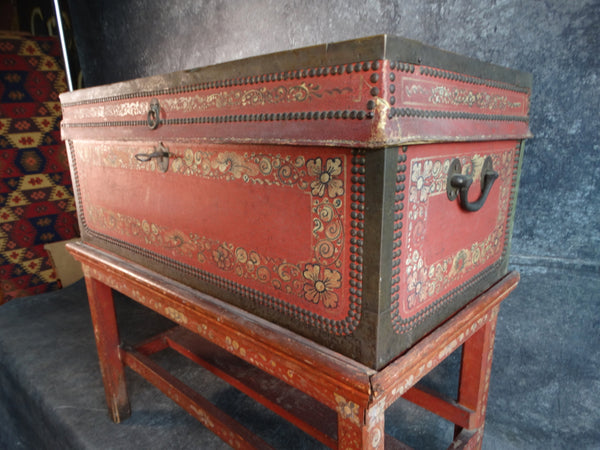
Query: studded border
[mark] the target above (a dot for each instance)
(436, 114)
(397, 236)
(233, 118)
(357, 234)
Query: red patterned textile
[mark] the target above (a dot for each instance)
(36, 200)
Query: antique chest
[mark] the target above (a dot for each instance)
(357, 193)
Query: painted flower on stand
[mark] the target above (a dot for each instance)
(320, 285)
(326, 177)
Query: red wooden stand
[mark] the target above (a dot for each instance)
(343, 402)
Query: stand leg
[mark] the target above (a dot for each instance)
(474, 381)
(360, 431)
(102, 309)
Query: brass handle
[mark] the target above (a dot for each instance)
(153, 116)
(458, 184)
(161, 154)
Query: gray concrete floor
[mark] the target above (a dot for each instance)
(544, 389)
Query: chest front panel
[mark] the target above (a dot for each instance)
(266, 222)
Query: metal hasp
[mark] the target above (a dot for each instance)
(459, 184)
(161, 154)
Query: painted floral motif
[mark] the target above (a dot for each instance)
(250, 97)
(426, 93)
(235, 164)
(428, 178)
(202, 102)
(326, 177)
(224, 257)
(320, 285)
(329, 231)
(483, 100)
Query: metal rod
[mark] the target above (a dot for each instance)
(63, 44)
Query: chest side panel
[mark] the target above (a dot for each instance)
(441, 249)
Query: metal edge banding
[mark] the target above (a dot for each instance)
(392, 211)
(336, 328)
(308, 115)
(75, 184)
(378, 172)
(368, 48)
(510, 220)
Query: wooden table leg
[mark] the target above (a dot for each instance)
(476, 367)
(358, 429)
(104, 319)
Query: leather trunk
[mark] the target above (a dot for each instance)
(357, 193)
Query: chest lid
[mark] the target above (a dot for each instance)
(369, 92)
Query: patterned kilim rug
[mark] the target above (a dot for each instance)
(36, 199)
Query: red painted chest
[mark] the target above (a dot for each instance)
(357, 193)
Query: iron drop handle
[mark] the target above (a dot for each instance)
(161, 154)
(458, 184)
